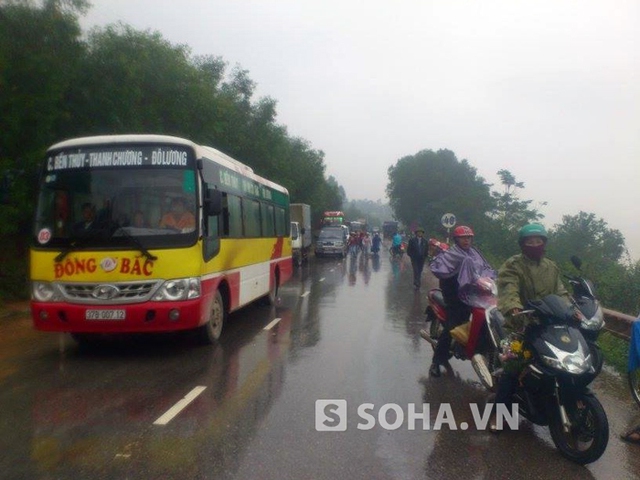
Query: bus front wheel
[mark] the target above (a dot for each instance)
(210, 332)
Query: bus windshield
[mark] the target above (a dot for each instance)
(149, 205)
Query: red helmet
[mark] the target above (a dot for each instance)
(462, 231)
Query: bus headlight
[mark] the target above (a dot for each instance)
(44, 292)
(179, 289)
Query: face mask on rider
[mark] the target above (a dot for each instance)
(534, 252)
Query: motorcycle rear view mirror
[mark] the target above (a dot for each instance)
(576, 261)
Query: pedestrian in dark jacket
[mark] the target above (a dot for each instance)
(418, 250)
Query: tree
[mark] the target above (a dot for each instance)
(424, 186)
(509, 211)
(509, 215)
(588, 237)
(53, 86)
(39, 53)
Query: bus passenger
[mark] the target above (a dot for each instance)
(139, 221)
(178, 218)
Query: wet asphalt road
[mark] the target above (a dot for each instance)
(343, 330)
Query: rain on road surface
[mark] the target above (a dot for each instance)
(164, 407)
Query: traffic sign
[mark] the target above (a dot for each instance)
(448, 220)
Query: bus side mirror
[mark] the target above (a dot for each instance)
(212, 202)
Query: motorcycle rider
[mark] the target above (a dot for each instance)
(523, 277)
(396, 243)
(456, 268)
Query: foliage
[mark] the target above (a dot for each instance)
(587, 237)
(35, 43)
(509, 214)
(425, 186)
(615, 350)
(55, 85)
(375, 213)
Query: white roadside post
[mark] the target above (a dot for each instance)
(448, 221)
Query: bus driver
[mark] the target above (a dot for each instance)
(178, 217)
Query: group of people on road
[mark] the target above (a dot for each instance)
(363, 242)
(526, 276)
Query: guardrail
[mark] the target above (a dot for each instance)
(618, 324)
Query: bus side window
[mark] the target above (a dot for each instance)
(268, 221)
(252, 224)
(281, 227)
(232, 216)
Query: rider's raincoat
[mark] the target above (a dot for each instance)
(467, 265)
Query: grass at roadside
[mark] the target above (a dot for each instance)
(616, 351)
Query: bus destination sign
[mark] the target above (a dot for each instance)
(117, 158)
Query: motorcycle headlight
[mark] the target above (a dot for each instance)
(45, 292)
(179, 289)
(594, 323)
(575, 363)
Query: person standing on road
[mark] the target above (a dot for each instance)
(375, 243)
(417, 250)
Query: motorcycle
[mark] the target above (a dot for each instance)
(481, 342)
(553, 386)
(592, 321)
(397, 251)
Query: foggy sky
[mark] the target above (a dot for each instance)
(549, 90)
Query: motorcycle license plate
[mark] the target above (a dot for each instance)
(104, 315)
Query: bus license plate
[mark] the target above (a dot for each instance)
(104, 315)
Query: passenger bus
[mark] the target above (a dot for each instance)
(152, 233)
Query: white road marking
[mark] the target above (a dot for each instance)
(305, 294)
(321, 280)
(272, 324)
(178, 407)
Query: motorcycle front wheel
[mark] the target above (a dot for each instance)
(634, 384)
(588, 435)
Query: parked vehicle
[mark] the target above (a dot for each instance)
(479, 339)
(592, 321)
(185, 267)
(332, 241)
(389, 228)
(553, 387)
(301, 240)
(357, 226)
(332, 219)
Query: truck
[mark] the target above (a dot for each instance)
(300, 214)
(332, 218)
(389, 228)
(357, 226)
